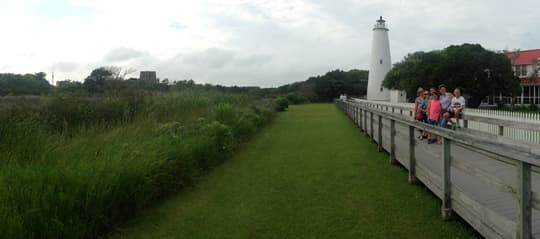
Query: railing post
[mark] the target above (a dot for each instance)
(360, 118)
(524, 225)
(412, 157)
(354, 114)
(446, 210)
(465, 123)
(392, 141)
(380, 147)
(357, 116)
(501, 130)
(365, 122)
(371, 126)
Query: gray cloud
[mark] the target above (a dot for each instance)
(123, 54)
(65, 66)
(210, 58)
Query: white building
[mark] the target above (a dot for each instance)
(526, 65)
(380, 63)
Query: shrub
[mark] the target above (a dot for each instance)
(226, 114)
(246, 125)
(296, 98)
(281, 104)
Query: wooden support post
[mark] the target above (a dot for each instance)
(365, 122)
(380, 146)
(357, 116)
(446, 210)
(524, 224)
(412, 157)
(392, 142)
(354, 114)
(360, 118)
(371, 126)
(501, 130)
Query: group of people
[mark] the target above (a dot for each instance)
(437, 107)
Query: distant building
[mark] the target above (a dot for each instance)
(148, 76)
(525, 65)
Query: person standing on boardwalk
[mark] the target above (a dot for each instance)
(420, 105)
(434, 115)
(446, 102)
(432, 92)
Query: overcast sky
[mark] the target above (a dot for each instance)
(235, 42)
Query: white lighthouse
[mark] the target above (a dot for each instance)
(380, 63)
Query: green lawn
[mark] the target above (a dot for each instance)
(310, 174)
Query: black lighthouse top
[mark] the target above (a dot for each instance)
(381, 24)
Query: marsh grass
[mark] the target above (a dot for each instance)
(76, 167)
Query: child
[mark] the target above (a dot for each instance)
(423, 109)
(434, 114)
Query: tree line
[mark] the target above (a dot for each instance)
(27, 84)
(477, 71)
(112, 80)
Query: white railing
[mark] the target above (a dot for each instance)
(519, 101)
(478, 119)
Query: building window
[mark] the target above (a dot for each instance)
(524, 70)
(380, 61)
(381, 88)
(521, 70)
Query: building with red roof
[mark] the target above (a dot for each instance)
(526, 65)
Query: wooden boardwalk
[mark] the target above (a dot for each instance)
(483, 187)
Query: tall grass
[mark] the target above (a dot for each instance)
(77, 167)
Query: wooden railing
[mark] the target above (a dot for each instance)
(513, 126)
(492, 183)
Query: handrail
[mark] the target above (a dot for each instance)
(519, 151)
(518, 124)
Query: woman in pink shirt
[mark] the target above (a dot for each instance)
(434, 114)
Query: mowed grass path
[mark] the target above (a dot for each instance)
(310, 174)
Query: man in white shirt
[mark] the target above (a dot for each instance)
(456, 107)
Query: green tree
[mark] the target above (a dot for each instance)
(95, 83)
(28, 84)
(479, 72)
(69, 86)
